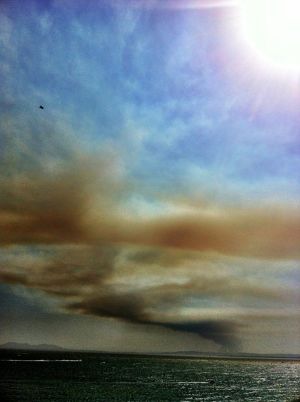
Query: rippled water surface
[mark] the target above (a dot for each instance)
(94, 377)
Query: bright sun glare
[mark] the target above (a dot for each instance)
(273, 28)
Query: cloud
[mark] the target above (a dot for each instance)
(54, 207)
(186, 292)
(272, 232)
(82, 277)
(66, 271)
(129, 307)
(84, 202)
(70, 215)
(132, 308)
(177, 4)
(221, 332)
(81, 242)
(53, 191)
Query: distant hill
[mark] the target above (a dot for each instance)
(28, 346)
(10, 346)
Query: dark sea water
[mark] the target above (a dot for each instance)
(68, 377)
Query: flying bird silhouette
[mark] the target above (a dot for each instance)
(41, 107)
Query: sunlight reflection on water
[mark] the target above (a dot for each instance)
(96, 377)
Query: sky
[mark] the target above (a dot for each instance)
(153, 203)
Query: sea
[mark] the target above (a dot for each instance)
(88, 377)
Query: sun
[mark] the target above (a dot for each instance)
(273, 28)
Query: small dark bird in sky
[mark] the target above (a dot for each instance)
(41, 107)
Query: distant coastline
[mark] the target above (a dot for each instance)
(28, 346)
(16, 346)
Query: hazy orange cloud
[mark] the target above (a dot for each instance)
(258, 232)
(82, 203)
